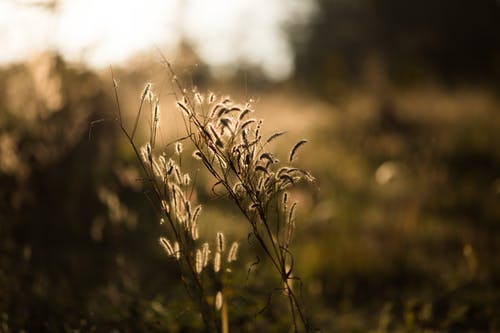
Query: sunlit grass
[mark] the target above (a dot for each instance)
(399, 232)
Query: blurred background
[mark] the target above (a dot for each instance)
(400, 104)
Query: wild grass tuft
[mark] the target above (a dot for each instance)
(231, 147)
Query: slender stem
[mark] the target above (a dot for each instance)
(222, 166)
(224, 317)
(208, 315)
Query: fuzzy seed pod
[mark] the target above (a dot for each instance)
(221, 112)
(291, 214)
(146, 91)
(220, 242)
(226, 122)
(177, 251)
(194, 230)
(289, 229)
(197, 155)
(144, 154)
(217, 258)
(211, 98)
(165, 206)
(167, 246)
(274, 136)
(162, 161)
(233, 252)
(244, 113)
(266, 156)
(214, 110)
(156, 115)
(261, 168)
(205, 252)
(149, 152)
(184, 108)
(218, 301)
(196, 213)
(248, 122)
(198, 262)
(186, 179)
(198, 98)
(294, 149)
(178, 148)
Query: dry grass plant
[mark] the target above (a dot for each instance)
(229, 143)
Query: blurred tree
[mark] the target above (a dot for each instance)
(453, 41)
(68, 241)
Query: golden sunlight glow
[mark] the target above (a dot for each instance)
(224, 33)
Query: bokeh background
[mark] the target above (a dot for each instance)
(400, 104)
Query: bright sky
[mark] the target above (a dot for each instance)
(224, 33)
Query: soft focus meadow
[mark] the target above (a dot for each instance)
(399, 231)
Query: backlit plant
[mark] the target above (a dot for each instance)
(229, 143)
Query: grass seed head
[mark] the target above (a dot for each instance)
(177, 250)
(186, 179)
(218, 301)
(274, 136)
(211, 98)
(205, 252)
(197, 155)
(198, 261)
(217, 259)
(156, 115)
(244, 113)
(146, 91)
(149, 153)
(220, 242)
(178, 148)
(165, 243)
(184, 109)
(294, 149)
(233, 252)
(199, 98)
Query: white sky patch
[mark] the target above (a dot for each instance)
(23, 31)
(224, 33)
(228, 32)
(110, 31)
